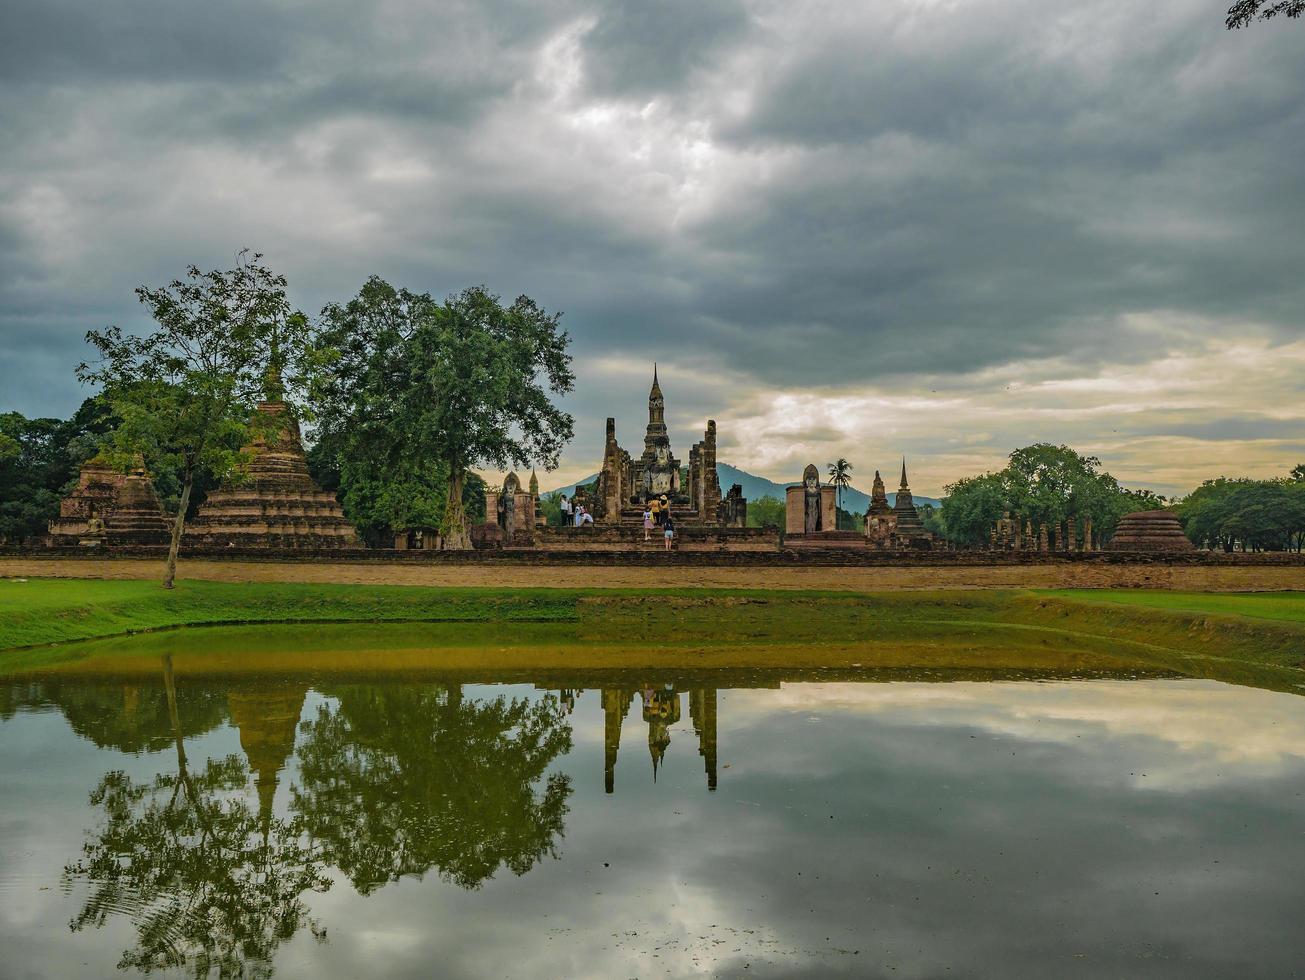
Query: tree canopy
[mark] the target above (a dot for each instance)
(1242, 13)
(412, 393)
(1248, 515)
(184, 394)
(1040, 484)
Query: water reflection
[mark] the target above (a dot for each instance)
(442, 810)
(210, 883)
(399, 780)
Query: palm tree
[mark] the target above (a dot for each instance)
(840, 475)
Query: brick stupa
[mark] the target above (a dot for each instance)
(1150, 530)
(111, 508)
(277, 505)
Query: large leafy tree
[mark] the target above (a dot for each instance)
(400, 780)
(1242, 13)
(361, 350)
(410, 390)
(1040, 484)
(184, 394)
(1251, 515)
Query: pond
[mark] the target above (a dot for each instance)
(429, 801)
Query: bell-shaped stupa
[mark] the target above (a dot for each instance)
(1150, 530)
(277, 504)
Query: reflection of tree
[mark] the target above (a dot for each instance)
(209, 881)
(134, 717)
(396, 781)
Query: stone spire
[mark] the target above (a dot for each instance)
(908, 518)
(879, 497)
(656, 408)
(534, 483)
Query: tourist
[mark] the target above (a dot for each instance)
(668, 531)
(579, 514)
(584, 517)
(567, 511)
(647, 521)
(666, 510)
(655, 506)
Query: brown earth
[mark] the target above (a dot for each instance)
(1188, 578)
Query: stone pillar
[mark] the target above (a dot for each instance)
(1087, 533)
(1071, 539)
(1042, 537)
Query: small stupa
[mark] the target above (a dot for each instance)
(909, 524)
(879, 505)
(1150, 530)
(108, 507)
(277, 505)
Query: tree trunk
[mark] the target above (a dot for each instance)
(178, 526)
(454, 534)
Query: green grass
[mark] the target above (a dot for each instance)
(1239, 637)
(1282, 606)
(40, 611)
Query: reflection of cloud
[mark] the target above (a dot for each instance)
(1203, 721)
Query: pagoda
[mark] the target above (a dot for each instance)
(108, 507)
(909, 526)
(277, 505)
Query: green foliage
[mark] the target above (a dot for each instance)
(1243, 12)
(395, 781)
(1250, 515)
(550, 505)
(766, 512)
(184, 394)
(1040, 484)
(38, 464)
(412, 393)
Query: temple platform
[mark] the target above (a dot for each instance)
(629, 537)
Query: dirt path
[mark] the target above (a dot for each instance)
(886, 578)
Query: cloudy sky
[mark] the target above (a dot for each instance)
(944, 228)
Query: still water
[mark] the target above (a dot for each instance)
(230, 814)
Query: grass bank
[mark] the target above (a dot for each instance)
(1193, 632)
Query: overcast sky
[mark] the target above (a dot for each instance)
(944, 228)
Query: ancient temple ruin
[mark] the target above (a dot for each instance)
(277, 505)
(110, 508)
(625, 483)
(1150, 530)
(910, 531)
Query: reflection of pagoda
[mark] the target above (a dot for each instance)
(266, 720)
(661, 710)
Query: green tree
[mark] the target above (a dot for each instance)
(210, 882)
(766, 511)
(840, 476)
(1298, 472)
(412, 393)
(1040, 484)
(184, 394)
(1242, 13)
(39, 464)
(395, 781)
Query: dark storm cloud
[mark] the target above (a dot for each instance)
(787, 195)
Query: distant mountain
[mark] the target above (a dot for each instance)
(755, 487)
